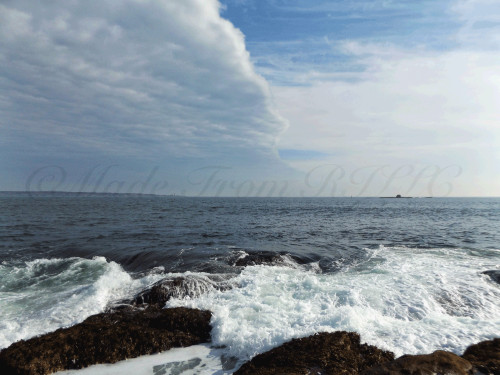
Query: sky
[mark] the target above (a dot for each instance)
(251, 97)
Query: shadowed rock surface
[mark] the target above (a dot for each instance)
(107, 338)
(181, 287)
(439, 362)
(324, 353)
(494, 274)
(485, 356)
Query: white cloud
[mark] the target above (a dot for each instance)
(411, 108)
(172, 81)
(170, 78)
(481, 23)
(409, 114)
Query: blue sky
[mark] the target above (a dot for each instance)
(287, 37)
(200, 97)
(290, 20)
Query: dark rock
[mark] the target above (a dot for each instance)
(494, 274)
(437, 363)
(266, 258)
(485, 356)
(323, 353)
(107, 338)
(181, 287)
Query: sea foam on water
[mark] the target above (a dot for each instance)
(402, 299)
(43, 295)
(406, 300)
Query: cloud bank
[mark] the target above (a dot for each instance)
(156, 80)
(169, 87)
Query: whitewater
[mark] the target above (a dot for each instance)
(415, 293)
(405, 300)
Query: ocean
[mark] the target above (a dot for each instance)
(406, 274)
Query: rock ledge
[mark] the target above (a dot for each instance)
(107, 338)
(323, 353)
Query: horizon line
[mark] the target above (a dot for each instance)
(232, 196)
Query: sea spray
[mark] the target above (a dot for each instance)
(402, 299)
(45, 294)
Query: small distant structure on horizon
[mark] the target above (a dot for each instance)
(396, 197)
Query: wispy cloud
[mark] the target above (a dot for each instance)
(410, 105)
(290, 41)
(480, 23)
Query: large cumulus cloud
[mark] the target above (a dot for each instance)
(134, 77)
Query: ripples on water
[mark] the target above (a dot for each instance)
(197, 233)
(405, 273)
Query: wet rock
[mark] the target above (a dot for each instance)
(228, 362)
(485, 356)
(107, 338)
(494, 274)
(323, 353)
(439, 362)
(266, 258)
(181, 287)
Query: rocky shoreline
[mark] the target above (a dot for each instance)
(107, 338)
(140, 326)
(131, 332)
(342, 353)
(323, 353)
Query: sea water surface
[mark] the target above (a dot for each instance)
(404, 273)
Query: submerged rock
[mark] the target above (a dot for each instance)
(266, 258)
(323, 353)
(107, 338)
(176, 367)
(181, 287)
(485, 356)
(439, 362)
(494, 274)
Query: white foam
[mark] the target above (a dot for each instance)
(197, 359)
(43, 295)
(402, 299)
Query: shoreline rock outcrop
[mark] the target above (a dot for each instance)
(323, 353)
(439, 362)
(107, 338)
(485, 356)
(342, 353)
(131, 332)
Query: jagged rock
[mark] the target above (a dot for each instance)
(107, 338)
(324, 353)
(485, 356)
(494, 274)
(181, 287)
(437, 363)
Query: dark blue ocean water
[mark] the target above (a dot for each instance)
(199, 233)
(407, 274)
